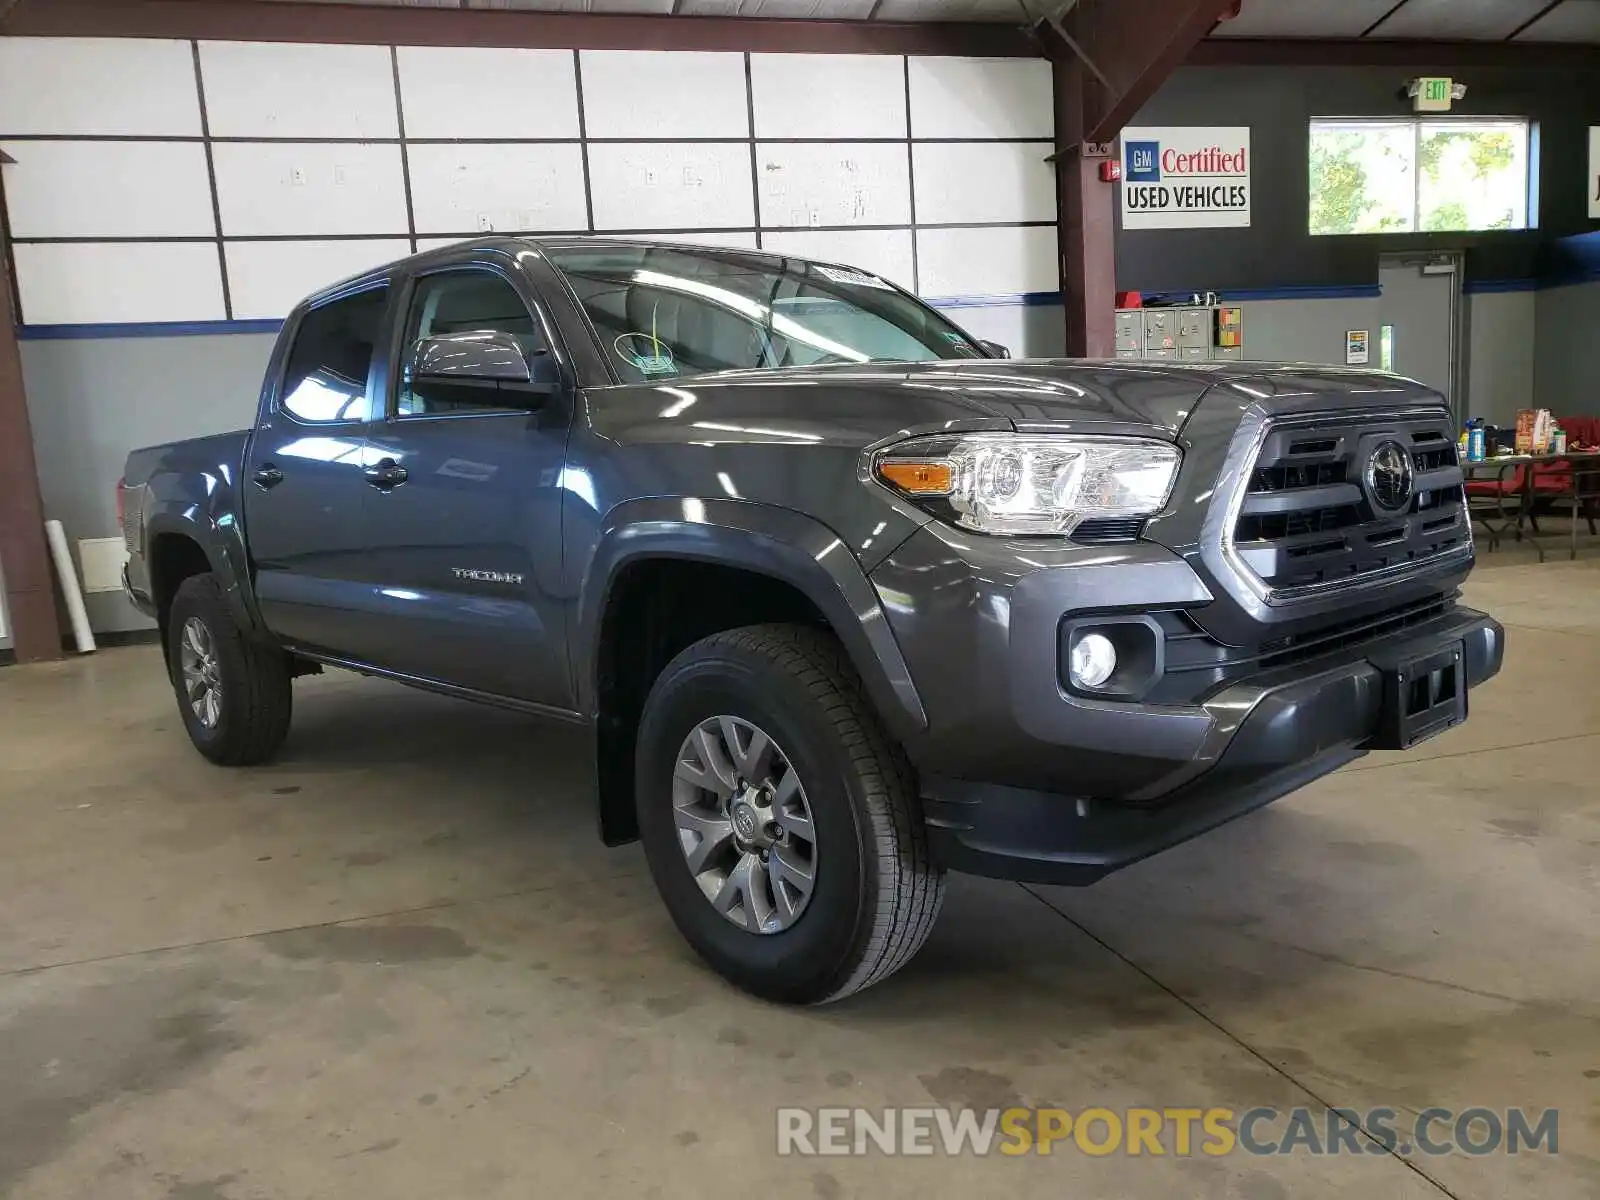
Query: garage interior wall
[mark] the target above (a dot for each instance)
(1567, 378)
(1301, 292)
(171, 200)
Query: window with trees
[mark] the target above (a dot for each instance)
(1433, 176)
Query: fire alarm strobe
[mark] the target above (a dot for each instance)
(1110, 171)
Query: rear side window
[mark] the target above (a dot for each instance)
(330, 360)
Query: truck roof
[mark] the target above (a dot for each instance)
(510, 244)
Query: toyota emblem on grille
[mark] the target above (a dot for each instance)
(1389, 476)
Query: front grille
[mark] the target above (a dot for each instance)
(1312, 516)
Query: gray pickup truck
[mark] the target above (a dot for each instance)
(837, 596)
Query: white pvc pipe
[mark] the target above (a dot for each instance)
(81, 633)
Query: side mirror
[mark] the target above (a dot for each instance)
(488, 358)
(996, 350)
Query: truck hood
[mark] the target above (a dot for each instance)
(864, 404)
(861, 404)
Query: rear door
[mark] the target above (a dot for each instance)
(466, 540)
(304, 485)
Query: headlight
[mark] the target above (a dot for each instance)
(1015, 483)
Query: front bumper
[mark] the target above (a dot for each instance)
(1022, 780)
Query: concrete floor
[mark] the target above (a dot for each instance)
(398, 964)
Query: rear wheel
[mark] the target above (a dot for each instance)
(235, 695)
(781, 823)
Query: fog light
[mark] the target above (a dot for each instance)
(1092, 661)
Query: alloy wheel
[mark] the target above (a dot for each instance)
(744, 824)
(202, 681)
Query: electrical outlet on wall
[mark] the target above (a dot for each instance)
(297, 176)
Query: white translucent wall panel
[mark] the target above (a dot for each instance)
(981, 98)
(468, 92)
(829, 95)
(984, 181)
(280, 89)
(267, 279)
(839, 183)
(987, 262)
(466, 188)
(642, 93)
(671, 185)
(108, 189)
(91, 283)
(310, 188)
(126, 86)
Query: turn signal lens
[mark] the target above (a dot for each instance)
(917, 478)
(1011, 483)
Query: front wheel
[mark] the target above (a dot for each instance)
(781, 824)
(235, 695)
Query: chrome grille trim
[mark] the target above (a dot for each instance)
(1221, 550)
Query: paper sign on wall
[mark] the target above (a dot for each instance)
(1191, 178)
(1357, 347)
(1594, 172)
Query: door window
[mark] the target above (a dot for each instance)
(326, 379)
(463, 302)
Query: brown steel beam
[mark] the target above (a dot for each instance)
(1085, 225)
(1377, 52)
(24, 555)
(1134, 45)
(385, 25)
(1108, 57)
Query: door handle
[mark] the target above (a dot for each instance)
(267, 477)
(385, 474)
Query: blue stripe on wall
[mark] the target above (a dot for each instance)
(1012, 300)
(1296, 292)
(56, 333)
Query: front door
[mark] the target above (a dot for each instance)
(304, 485)
(1417, 310)
(466, 538)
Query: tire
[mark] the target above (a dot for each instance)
(252, 680)
(875, 890)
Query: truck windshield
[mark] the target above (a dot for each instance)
(665, 313)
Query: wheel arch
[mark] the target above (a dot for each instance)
(786, 566)
(177, 548)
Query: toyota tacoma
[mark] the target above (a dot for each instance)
(837, 597)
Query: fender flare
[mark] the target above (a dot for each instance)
(223, 548)
(777, 542)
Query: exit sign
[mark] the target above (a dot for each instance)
(1434, 94)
